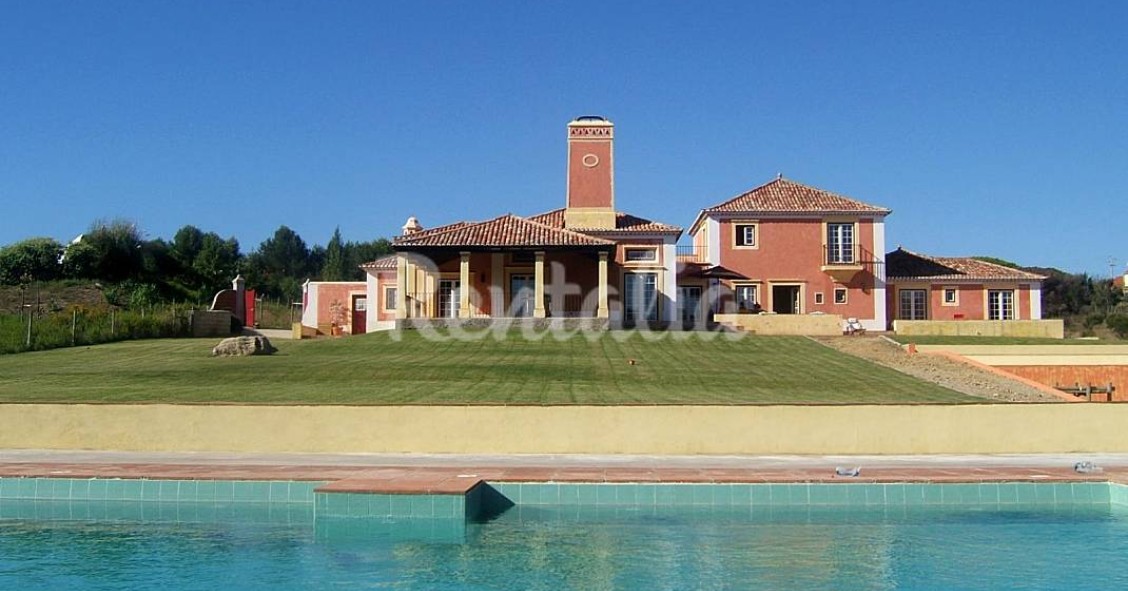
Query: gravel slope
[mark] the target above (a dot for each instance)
(951, 374)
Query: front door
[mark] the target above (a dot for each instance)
(522, 295)
(785, 299)
(690, 301)
(448, 298)
(359, 314)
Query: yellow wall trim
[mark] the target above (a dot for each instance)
(869, 429)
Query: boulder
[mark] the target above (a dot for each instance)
(242, 346)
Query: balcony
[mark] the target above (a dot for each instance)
(844, 262)
(691, 254)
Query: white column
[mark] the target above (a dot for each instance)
(464, 285)
(497, 287)
(1035, 301)
(601, 312)
(538, 282)
(880, 312)
(401, 286)
(670, 287)
(713, 241)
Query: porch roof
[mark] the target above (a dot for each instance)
(905, 264)
(507, 231)
(386, 263)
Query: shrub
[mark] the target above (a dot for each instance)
(1118, 323)
(1093, 319)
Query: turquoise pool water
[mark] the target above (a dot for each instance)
(84, 544)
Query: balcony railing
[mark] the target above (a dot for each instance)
(691, 254)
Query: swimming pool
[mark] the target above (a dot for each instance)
(1033, 542)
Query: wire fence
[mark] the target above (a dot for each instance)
(75, 326)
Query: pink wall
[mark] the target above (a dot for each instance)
(971, 300)
(334, 303)
(791, 250)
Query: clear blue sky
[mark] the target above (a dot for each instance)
(994, 128)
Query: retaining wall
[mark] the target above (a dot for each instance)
(785, 324)
(823, 430)
(1053, 329)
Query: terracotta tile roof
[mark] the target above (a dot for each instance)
(783, 195)
(905, 264)
(624, 223)
(387, 263)
(438, 229)
(507, 230)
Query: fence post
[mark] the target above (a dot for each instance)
(74, 326)
(113, 318)
(28, 344)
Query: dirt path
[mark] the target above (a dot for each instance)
(957, 376)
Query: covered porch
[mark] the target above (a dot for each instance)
(482, 282)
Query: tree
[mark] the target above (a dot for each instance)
(36, 258)
(280, 265)
(334, 267)
(110, 251)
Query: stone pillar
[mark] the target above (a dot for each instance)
(464, 285)
(538, 282)
(401, 286)
(601, 312)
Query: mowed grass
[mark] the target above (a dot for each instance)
(510, 369)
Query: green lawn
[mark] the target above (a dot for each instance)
(939, 340)
(375, 369)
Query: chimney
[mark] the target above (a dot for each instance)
(411, 226)
(591, 174)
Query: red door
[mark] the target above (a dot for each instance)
(359, 314)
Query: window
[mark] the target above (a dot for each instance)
(360, 304)
(819, 298)
(840, 295)
(449, 299)
(840, 244)
(641, 255)
(1000, 304)
(951, 296)
(640, 300)
(913, 304)
(746, 297)
(389, 298)
(744, 235)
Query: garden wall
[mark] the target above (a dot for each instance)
(1052, 329)
(822, 430)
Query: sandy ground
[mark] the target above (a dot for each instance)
(957, 376)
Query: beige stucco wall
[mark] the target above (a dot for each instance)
(785, 324)
(1053, 329)
(919, 429)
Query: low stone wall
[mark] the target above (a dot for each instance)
(538, 324)
(820, 430)
(785, 324)
(1053, 329)
(210, 323)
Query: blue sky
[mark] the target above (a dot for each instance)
(994, 128)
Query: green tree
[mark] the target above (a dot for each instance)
(32, 258)
(333, 269)
(110, 251)
(280, 265)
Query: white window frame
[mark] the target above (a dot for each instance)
(841, 246)
(1001, 310)
(845, 296)
(739, 234)
(955, 296)
(820, 298)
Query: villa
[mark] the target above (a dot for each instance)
(781, 258)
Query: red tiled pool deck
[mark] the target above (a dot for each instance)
(431, 474)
